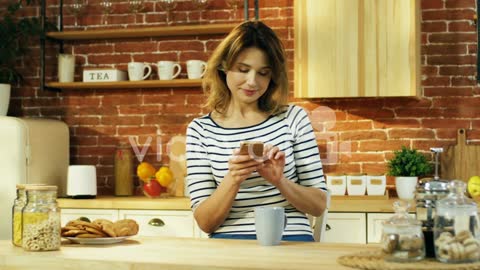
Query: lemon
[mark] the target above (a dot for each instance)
(473, 186)
(164, 176)
(145, 171)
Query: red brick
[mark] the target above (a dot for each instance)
(87, 49)
(464, 81)
(368, 113)
(434, 26)
(108, 59)
(351, 125)
(447, 91)
(411, 133)
(462, 112)
(432, 4)
(457, 102)
(451, 60)
(94, 130)
(132, 47)
(81, 101)
(83, 140)
(396, 123)
(436, 81)
(122, 120)
(460, 3)
(136, 109)
(95, 150)
(444, 49)
(76, 160)
(446, 133)
(425, 145)
(455, 14)
(452, 38)
(375, 168)
(137, 130)
(369, 146)
(126, 99)
(445, 123)
(461, 27)
(342, 168)
(457, 70)
(363, 135)
(75, 120)
(108, 140)
(362, 157)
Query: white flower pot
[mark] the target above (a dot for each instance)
(405, 186)
(4, 98)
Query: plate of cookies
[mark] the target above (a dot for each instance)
(99, 231)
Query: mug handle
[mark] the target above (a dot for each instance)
(149, 70)
(285, 221)
(204, 65)
(178, 71)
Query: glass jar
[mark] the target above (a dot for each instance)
(18, 205)
(402, 237)
(456, 227)
(41, 219)
(123, 167)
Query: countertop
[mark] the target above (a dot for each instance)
(376, 204)
(156, 253)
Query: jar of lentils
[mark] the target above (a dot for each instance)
(41, 219)
(17, 208)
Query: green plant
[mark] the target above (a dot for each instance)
(16, 35)
(408, 162)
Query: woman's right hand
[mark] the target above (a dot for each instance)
(240, 167)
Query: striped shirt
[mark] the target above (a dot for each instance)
(209, 146)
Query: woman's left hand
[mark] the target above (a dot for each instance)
(272, 167)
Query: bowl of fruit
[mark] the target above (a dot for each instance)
(155, 183)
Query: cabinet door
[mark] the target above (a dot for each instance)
(68, 214)
(345, 48)
(346, 228)
(162, 223)
(375, 227)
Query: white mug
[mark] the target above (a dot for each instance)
(196, 69)
(166, 70)
(269, 225)
(66, 67)
(136, 71)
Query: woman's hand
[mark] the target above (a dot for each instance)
(240, 167)
(272, 169)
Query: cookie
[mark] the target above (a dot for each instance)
(88, 235)
(97, 232)
(72, 233)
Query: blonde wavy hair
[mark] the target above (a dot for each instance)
(247, 35)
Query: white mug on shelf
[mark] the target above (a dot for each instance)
(66, 67)
(166, 70)
(196, 69)
(136, 71)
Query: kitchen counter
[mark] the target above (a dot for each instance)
(378, 204)
(180, 253)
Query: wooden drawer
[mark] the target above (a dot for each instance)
(175, 223)
(92, 214)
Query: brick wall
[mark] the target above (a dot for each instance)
(354, 135)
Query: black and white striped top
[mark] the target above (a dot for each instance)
(209, 147)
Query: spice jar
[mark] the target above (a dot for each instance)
(123, 170)
(18, 205)
(41, 219)
(456, 227)
(402, 237)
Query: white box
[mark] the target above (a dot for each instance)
(337, 184)
(356, 184)
(104, 75)
(376, 184)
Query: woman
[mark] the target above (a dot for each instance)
(247, 86)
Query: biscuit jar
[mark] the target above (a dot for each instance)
(18, 205)
(456, 227)
(402, 237)
(41, 219)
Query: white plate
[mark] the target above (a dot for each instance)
(97, 241)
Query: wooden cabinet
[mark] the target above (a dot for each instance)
(174, 223)
(357, 48)
(346, 228)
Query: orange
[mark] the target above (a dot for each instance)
(145, 171)
(164, 176)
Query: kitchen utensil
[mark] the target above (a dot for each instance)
(460, 161)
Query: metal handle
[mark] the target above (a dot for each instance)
(328, 228)
(156, 222)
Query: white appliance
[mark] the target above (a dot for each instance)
(82, 181)
(32, 150)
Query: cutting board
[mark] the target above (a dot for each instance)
(178, 164)
(460, 161)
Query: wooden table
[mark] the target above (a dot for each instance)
(144, 253)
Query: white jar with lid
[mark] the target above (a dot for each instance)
(376, 184)
(356, 184)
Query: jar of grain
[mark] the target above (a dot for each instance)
(18, 205)
(41, 219)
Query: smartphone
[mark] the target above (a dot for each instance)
(252, 148)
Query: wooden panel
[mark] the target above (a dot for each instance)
(176, 223)
(346, 228)
(460, 161)
(179, 30)
(355, 48)
(128, 84)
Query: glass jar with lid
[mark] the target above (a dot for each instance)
(456, 226)
(41, 219)
(402, 237)
(18, 205)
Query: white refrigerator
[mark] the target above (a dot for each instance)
(32, 150)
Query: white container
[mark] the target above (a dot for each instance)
(104, 75)
(356, 184)
(82, 181)
(66, 67)
(376, 184)
(337, 184)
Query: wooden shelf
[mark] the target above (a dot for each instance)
(161, 31)
(128, 84)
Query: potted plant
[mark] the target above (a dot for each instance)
(16, 33)
(407, 165)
